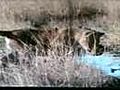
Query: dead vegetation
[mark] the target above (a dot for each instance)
(56, 70)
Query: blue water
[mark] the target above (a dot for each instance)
(106, 63)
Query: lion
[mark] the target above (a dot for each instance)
(41, 41)
(88, 39)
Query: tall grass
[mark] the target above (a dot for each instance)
(56, 70)
(50, 71)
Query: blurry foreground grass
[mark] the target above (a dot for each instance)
(51, 71)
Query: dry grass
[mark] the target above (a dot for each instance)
(16, 14)
(51, 71)
(54, 70)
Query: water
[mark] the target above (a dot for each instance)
(107, 63)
